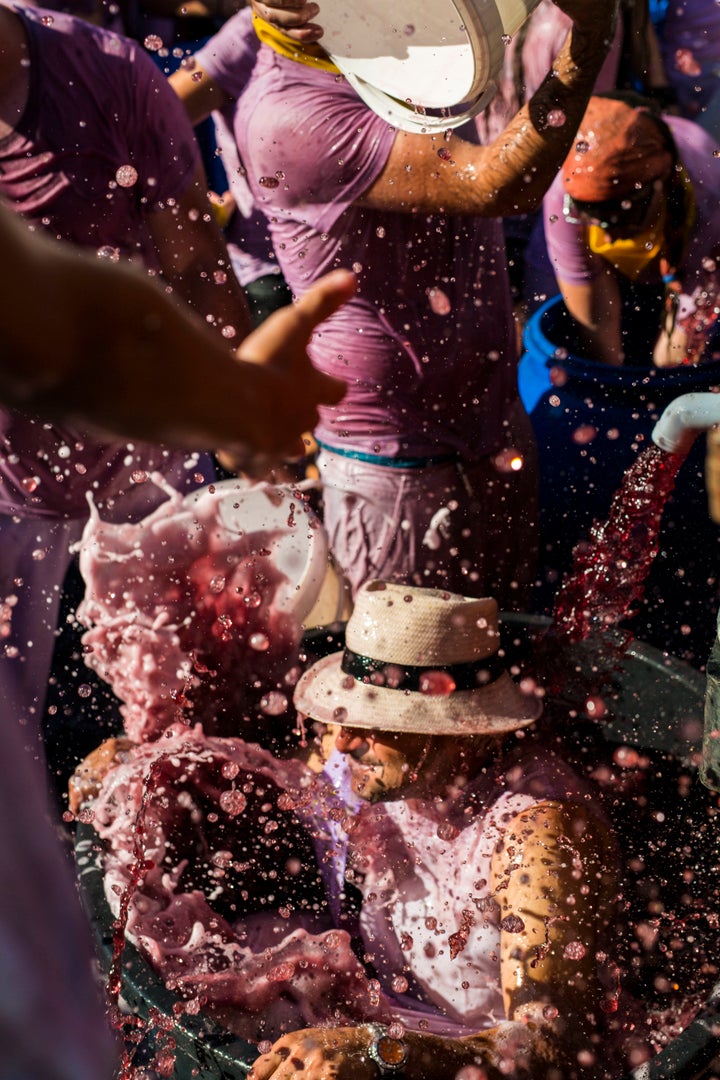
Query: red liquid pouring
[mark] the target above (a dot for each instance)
(609, 572)
(606, 583)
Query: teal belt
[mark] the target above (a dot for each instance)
(390, 462)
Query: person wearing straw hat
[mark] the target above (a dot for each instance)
(482, 869)
(428, 465)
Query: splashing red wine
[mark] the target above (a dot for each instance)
(608, 573)
(133, 1028)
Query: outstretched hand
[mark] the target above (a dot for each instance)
(291, 16)
(288, 389)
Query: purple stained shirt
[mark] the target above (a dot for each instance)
(574, 262)
(229, 59)
(427, 345)
(99, 116)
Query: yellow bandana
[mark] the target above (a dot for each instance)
(311, 54)
(629, 256)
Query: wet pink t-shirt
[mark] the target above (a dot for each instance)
(98, 112)
(427, 345)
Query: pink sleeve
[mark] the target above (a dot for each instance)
(229, 57)
(327, 150)
(570, 257)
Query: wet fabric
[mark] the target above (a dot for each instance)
(229, 59)
(419, 866)
(427, 345)
(467, 528)
(96, 104)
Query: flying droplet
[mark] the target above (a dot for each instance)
(556, 118)
(584, 434)
(126, 176)
(439, 301)
(574, 950)
(446, 831)
(233, 802)
(436, 683)
(512, 924)
(274, 703)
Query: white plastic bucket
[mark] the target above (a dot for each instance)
(315, 590)
(424, 67)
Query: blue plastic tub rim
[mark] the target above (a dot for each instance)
(541, 354)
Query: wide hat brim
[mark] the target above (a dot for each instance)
(326, 693)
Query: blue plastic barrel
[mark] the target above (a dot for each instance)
(591, 421)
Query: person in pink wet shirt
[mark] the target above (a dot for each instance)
(452, 865)
(210, 82)
(428, 465)
(631, 219)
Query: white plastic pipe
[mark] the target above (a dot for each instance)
(684, 419)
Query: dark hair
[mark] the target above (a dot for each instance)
(679, 199)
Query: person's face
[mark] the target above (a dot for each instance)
(383, 764)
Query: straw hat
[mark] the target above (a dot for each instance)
(417, 660)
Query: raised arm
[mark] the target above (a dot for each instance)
(195, 263)
(101, 344)
(554, 876)
(427, 173)
(596, 307)
(199, 93)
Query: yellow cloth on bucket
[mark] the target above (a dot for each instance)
(629, 255)
(303, 53)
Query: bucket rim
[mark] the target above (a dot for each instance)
(628, 377)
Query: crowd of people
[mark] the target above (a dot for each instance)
(144, 316)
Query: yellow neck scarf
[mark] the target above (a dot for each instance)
(311, 54)
(630, 256)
